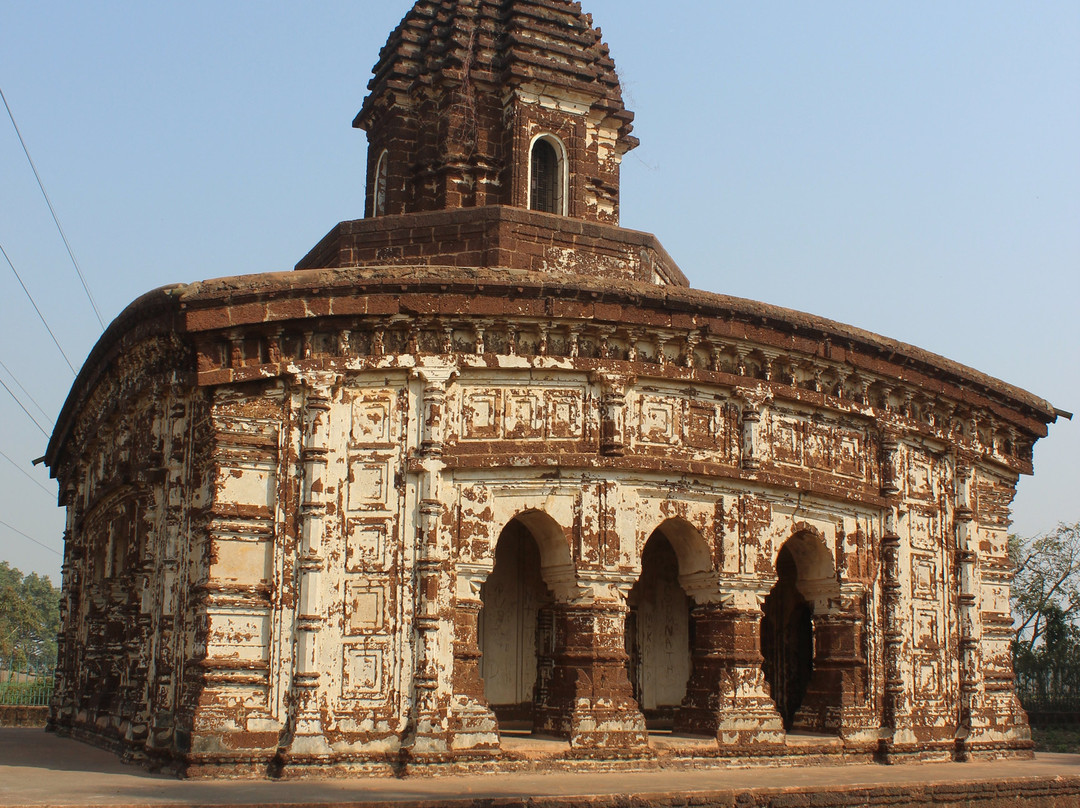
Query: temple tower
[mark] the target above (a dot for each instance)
(496, 102)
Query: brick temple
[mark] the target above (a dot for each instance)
(485, 467)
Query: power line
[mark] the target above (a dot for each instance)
(31, 538)
(39, 314)
(25, 473)
(27, 392)
(56, 219)
(21, 407)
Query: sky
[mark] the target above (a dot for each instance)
(909, 168)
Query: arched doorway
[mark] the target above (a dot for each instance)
(797, 642)
(514, 628)
(787, 640)
(658, 633)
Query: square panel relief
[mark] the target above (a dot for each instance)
(920, 478)
(850, 454)
(365, 545)
(523, 415)
(658, 421)
(927, 678)
(923, 530)
(926, 630)
(364, 673)
(924, 578)
(565, 416)
(787, 440)
(369, 483)
(371, 419)
(365, 607)
(481, 414)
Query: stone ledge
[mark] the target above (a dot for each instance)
(22, 716)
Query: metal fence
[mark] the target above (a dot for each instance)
(26, 688)
(1048, 688)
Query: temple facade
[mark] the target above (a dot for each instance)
(484, 465)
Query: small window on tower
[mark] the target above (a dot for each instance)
(381, 180)
(546, 177)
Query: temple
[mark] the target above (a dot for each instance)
(484, 465)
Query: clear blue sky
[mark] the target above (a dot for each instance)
(910, 168)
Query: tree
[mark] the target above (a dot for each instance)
(29, 619)
(1046, 587)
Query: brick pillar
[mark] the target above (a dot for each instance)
(473, 725)
(836, 697)
(727, 696)
(588, 698)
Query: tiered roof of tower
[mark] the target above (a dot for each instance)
(499, 43)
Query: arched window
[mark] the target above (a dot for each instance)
(381, 180)
(546, 182)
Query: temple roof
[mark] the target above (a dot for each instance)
(505, 44)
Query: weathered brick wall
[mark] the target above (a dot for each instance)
(498, 236)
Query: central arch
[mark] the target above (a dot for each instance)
(515, 624)
(806, 581)
(659, 628)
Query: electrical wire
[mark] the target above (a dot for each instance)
(23, 408)
(56, 219)
(26, 474)
(39, 314)
(26, 392)
(31, 538)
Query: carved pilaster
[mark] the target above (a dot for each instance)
(754, 403)
(967, 563)
(836, 698)
(432, 676)
(896, 714)
(613, 389)
(308, 731)
(890, 465)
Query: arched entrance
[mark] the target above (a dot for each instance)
(659, 628)
(798, 639)
(514, 628)
(787, 640)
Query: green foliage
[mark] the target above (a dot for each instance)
(1046, 587)
(29, 620)
(1046, 607)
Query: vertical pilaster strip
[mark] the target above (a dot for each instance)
(433, 675)
(308, 730)
(895, 706)
(967, 559)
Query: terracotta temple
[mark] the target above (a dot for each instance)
(484, 465)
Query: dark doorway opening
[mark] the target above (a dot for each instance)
(787, 640)
(658, 640)
(514, 629)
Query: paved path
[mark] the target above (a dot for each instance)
(41, 769)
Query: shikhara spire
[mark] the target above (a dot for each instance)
(462, 91)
